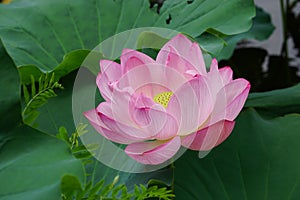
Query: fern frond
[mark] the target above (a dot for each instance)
(99, 190)
(80, 151)
(113, 191)
(153, 192)
(38, 96)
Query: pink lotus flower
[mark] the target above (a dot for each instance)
(157, 106)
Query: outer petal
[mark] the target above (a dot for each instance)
(155, 152)
(191, 105)
(236, 100)
(112, 69)
(120, 104)
(178, 62)
(110, 72)
(92, 116)
(131, 59)
(226, 74)
(206, 139)
(230, 100)
(101, 128)
(189, 51)
(108, 119)
(215, 78)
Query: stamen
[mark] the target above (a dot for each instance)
(163, 98)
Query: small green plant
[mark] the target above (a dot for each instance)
(38, 95)
(72, 189)
(79, 150)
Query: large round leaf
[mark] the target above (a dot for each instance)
(262, 29)
(260, 160)
(32, 165)
(10, 108)
(41, 32)
(280, 102)
(222, 46)
(70, 62)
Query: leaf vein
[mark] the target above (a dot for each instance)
(99, 21)
(75, 26)
(39, 44)
(220, 179)
(242, 177)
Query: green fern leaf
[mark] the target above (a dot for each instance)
(100, 190)
(96, 188)
(38, 97)
(33, 90)
(26, 94)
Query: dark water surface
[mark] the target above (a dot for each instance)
(266, 64)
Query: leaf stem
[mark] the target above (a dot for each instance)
(173, 178)
(284, 49)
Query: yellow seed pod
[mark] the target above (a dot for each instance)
(163, 98)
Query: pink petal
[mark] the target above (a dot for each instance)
(147, 117)
(101, 128)
(92, 116)
(131, 59)
(103, 84)
(152, 79)
(114, 136)
(215, 79)
(110, 121)
(230, 100)
(112, 69)
(153, 152)
(213, 65)
(178, 62)
(151, 89)
(226, 74)
(140, 107)
(120, 104)
(206, 139)
(169, 128)
(110, 73)
(153, 118)
(237, 99)
(187, 50)
(175, 79)
(137, 77)
(196, 57)
(191, 105)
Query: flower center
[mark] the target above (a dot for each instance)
(163, 98)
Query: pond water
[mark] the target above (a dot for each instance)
(274, 43)
(264, 63)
